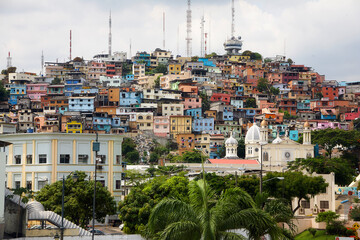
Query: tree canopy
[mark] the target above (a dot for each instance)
(295, 185)
(135, 208)
(78, 199)
(344, 172)
(194, 156)
(129, 151)
(250, 103)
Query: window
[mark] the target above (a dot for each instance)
(42, 158)
(324, 204)
(65, 158)
(118, 184)
(29, 159)
(17, 184)
(41, 184)
(83, 158)
(118, 159)
(17, 159)
(28, 185)
(305, 204)
(101, 159)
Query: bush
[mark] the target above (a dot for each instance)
(350, 232)
(336, 228)
(355, 213)
(312, 231)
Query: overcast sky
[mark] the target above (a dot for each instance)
(323, 34)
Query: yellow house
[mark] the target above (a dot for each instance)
(174, 68)
(238, 58)
(74, 127)
(180, 124)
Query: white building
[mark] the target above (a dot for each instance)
(34, 160)
(138, 70)
(114, 81)
(280, 151)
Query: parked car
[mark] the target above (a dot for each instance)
(97, 232)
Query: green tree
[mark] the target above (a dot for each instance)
(128, 145)
(327, 217)
(126, 68)
(78, 199)
(154, 157)
(318, 95)
(344, 173)
(161, 68)
(56, 81)
(263, 85)
(157, 82)
(4, 94)
(295, 185)
(290, 61)
(211, 55)
(171, 145)
(194, 59)
(194, 156)
(135, 209)
(330, 138)
(202, 218)
(205, 102)
(133, 157)
(241, 148)
(250, 103)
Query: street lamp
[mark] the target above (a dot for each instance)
(75, 178)
(96, 149)
(261, 166)
(280, 178)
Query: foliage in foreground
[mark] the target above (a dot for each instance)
(78, 199)
(205, 218)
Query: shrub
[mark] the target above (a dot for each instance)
(355, 213)
(350, 232)
(312, 231)
(336, 228)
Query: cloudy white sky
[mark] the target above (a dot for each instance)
(323, 34)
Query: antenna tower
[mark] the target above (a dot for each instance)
(130, 49)
(232, 18)
(42, 63)
(164, 30)
(205, 42)
(110, 34)
(177, 43)
(9, 61)
(70, 46)
(202, 37)
(188, 30)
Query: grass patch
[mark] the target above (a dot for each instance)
(320, 235)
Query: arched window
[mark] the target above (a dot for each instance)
(266, 156)
(141, 117)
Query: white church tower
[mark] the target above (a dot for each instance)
(264, 134)
(307, 134)
(231, 145)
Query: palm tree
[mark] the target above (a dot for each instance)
(206, 218)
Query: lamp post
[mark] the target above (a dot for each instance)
(96, 149)
(75, 178)
(261, 166)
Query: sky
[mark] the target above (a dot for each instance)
(322, 34)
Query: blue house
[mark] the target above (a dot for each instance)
(71, 85)
(294, 135)
(196, 113)
(328, 114)
(239, 90)
(228, 116)
(102, 123)
(207, 62)
(143, 57)
(86, 91)
(129, 77)
(303, 105)
(129, 98)
(203, 124)
(16, 91)
(81, 104)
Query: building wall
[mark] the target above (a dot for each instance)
(172, 109)
(54, 146)
(180, 124)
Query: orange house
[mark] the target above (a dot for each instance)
(186, 142)
(114, 96)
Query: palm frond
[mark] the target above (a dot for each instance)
(169, 211)
(230, 236)
(181, 230)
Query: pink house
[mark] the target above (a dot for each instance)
(325, 124)
(36, 90)
(161, 126)
(350, 116)
(191, 103)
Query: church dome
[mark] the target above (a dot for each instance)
(253, 135)
(231, 141)
(264, 123)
